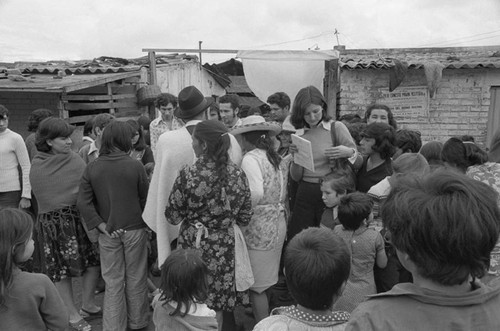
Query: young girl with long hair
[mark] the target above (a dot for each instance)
(28, 301)
(209, 197)
(183, 292)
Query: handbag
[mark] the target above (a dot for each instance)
(242, 268)
(343, 164)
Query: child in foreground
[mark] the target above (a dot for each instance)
(334, 186)
(184, 289)
(366, 246)
(443, 227)
(28, 301)
(317, 265)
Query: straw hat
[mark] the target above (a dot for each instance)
(256, 123)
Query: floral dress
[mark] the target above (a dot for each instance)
(208, 208)
(489, 173)
(364, 245)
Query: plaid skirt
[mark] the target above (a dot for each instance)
(66, 248)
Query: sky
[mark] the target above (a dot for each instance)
(35, 30)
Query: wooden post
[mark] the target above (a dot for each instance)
(63, 113)
(331, 86)
(152, 81)
(110, 93)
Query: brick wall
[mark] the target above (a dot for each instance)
(459, 107)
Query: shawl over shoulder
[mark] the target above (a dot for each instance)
(55, 179)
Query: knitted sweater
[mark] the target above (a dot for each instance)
(113, 190)
(33, 304)
(13, 153)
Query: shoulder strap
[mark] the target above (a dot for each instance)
(333, 134)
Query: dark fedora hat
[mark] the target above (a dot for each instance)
(191, 103)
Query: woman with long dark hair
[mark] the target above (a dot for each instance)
(209, 197)
(310, 118)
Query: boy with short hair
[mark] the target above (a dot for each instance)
(443, 227)
(317, 265)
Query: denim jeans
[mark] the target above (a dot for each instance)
(124, 269)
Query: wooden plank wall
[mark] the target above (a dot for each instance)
(114, 98)
(21, 104)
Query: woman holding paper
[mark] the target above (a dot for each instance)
(331, 142)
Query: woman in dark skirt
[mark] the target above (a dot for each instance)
(67, 251)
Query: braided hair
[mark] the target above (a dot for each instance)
(216, 137)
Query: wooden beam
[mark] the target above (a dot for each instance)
(330, 86)
(83, 97)
(85, 118)
(152, 80)
(152, 68)
(189, 50)
(100, 81)
(98, 105)
(80, 119)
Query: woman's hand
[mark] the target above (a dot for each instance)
(293, 149)
(25, 203)
(339, 152)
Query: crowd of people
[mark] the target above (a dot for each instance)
(382, 233)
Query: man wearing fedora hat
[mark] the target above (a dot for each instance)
(173, 151)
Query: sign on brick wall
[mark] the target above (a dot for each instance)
(406, 102)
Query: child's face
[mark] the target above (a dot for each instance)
(23, 256)
(329, 195)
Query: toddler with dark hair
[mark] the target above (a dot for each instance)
(443, 227)
(317, 265)
(184, 290)
(366, 246)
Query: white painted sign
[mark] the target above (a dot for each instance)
(406, 102)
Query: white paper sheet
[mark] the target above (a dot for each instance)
(304, 157)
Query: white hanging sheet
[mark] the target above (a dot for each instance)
(267, 72)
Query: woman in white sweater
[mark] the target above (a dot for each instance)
(13, 154)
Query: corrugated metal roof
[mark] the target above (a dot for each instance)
(451, 58)
(47, 83)
(78, 71)
(100, 65)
